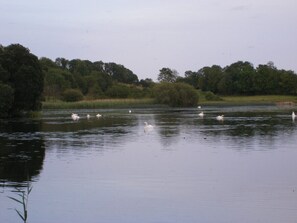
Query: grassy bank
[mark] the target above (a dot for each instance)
(148, 102)
(258, 99)
(103, 103)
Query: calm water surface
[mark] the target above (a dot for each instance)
(187, 169)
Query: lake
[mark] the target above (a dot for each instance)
(186, 169)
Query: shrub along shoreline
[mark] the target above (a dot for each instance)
(282, 100)
(101, 103)
(255, 99)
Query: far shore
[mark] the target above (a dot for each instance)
(280, 100)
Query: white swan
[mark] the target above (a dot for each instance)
(88, 116)
(293, 115)
(199, 107)
(148, 127)
(98, 115)
(220, 117)
(130, 111)
(74, 117)
(201, 114)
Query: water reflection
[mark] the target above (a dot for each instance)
(22, 151)
(23, 142)
(168, 127)
(186, 167)
(108, 132)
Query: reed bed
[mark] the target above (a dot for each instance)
(257, 99)
(149, 102)
(102, 103)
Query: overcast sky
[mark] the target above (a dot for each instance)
(147, 35)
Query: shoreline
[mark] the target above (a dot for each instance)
(279, 100)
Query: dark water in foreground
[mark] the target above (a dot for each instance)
(187, 169)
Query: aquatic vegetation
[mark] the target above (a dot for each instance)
(23, 199)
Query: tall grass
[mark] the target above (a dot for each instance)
(149, 102)
(102, 103)
(23, 199)
(257, 99)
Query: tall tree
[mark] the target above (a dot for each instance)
(209, 78)
(241, 74)
(167, 75)
(25, 77)
(120, 73)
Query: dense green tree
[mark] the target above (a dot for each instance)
(146, 83)
(176, 94)
(21, 70)
(28, 88)
(46, 63)
(81, 67)
(62, 62)
(241, 77)
(4, 75)
(209, 78)
(266, 80)
(118, 91)
(6, 99)
(288, 82)
(97, 83)
(190, 78)
(120, 73)
(72, 95)
(57, 81)
(167, 75)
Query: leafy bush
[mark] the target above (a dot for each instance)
(118, 91)
(6, 99)
(209, 96)
(95, 92)
(71, 95)
(176, 94)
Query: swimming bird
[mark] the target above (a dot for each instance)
(199, 107)
(130, 111)
(220, 117)
(74, 117)
(88, 116)
(98, 115)
(293, 115)
(148, 127)
(201, 114)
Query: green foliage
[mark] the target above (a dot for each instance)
(190, 78)
(101, 103)
(127, 91)
(176, 94)
(167, 75)
(71, 95)
(56, 82)
(99, 81)
(95, 92)
(22, 72)
(146, 83)
(120, 73)
(241, 78)
(94, 79)
(209, 96)
(209, 78)
(118, 91)
(6, 99)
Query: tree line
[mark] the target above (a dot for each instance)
(26, 80)
(241, 78)
(90, 80)
(99, 80)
